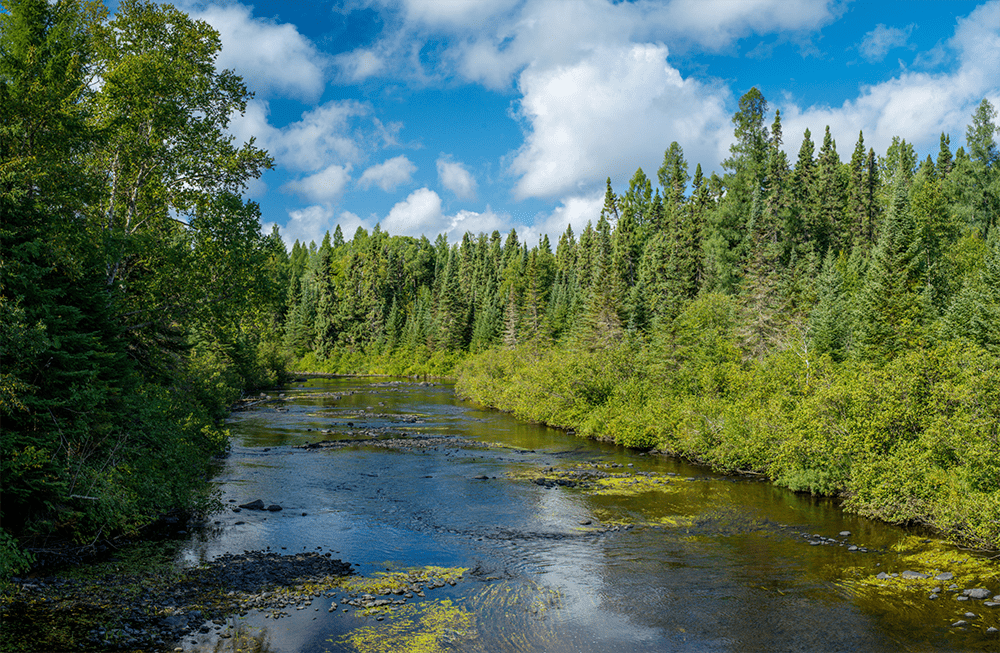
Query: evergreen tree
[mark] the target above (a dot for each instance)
(673, 176)
(944, 157)
(803, 197)
(974, 314)
(890, 312)
(828, 222)
(610, 209)
(856, 200)
(830, 321)
(985, 158)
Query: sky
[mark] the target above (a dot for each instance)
(448, 116)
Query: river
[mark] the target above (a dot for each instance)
(567, 544)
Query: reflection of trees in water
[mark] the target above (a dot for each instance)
(245, 639)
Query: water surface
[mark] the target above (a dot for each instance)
(699, 562)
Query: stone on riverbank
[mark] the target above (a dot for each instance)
(253, 505)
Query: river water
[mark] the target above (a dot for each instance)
(657, 555)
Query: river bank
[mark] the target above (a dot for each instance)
(911, 441)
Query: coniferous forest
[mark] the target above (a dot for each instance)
(830, 322)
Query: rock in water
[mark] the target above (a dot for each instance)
(253, 505)
(978, 593)
(913, 575)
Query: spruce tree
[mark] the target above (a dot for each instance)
(890, 313)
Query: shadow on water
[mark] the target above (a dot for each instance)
(569, 544)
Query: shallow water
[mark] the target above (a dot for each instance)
(699, 562)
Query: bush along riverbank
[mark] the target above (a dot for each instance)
(915, 439)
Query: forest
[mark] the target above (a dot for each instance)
(137, 294)
(832, 325)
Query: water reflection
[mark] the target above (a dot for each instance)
(712, 563)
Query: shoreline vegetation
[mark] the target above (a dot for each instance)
(831, 324)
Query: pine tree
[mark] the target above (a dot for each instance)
(944, 158)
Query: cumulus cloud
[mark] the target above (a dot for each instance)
(498, 38)
(917, 106)
(389, 174)
(615, 109)
(305, 225)
(324, 135)
(420, 213)
(574, 211)
(877, 43)
(456, 178)
(324, 186)
(272, 58)
(476, 223)
(311, 224)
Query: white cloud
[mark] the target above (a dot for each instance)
(324, 186)
(311, 224)
(305, 225)
(498, 38)
(614, 110)
(877, 43)
(917, 106)
(456, 178)
(420, 213)
(389, 174)
(272, 58)
(462, 13)
(574, 211)
(360, 64)
(323, 135)
(476, 223)
(256, 188)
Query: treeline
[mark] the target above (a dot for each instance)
(833, 325)
(137, 295)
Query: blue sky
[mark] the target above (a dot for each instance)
(446, 116)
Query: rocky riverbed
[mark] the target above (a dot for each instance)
(107, 606)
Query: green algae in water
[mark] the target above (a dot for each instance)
(596, 482)
(632, 485)
(425, 627)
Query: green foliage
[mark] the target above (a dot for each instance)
(832, 326)
(137, 295)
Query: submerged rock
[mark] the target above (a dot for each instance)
(253, 505)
